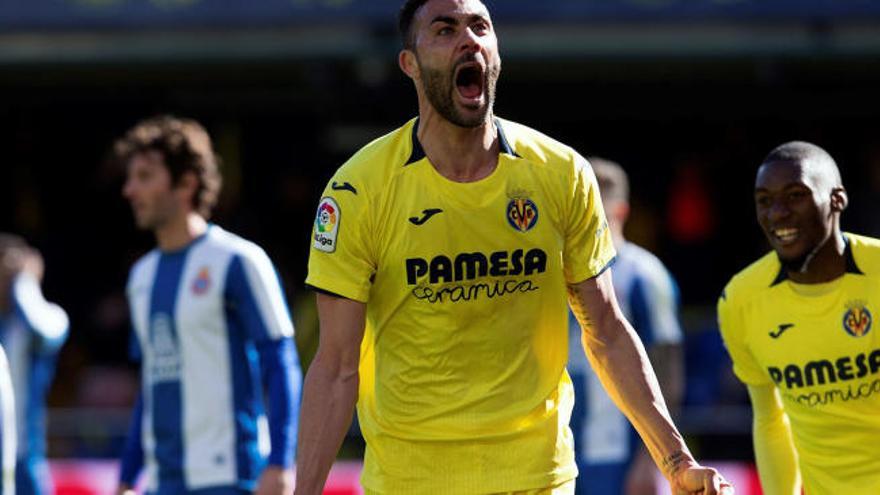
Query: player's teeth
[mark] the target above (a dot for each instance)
(785, 234)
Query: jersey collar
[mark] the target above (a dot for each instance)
(418, 152)
(851, 266)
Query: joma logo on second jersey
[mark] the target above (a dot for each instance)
(469, 266)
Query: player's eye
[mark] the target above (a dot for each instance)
(762, 201)
(445, 30)
(480, 28)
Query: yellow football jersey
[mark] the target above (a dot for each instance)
(463, 387)
(818, 344)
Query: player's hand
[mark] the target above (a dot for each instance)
(125, 489)
(275, 480)
(695, 479)
(641, 479)
(33, 264)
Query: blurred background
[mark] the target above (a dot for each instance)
(688, 95)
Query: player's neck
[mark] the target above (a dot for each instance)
(180, 232)
(827, 264)
(458, 153)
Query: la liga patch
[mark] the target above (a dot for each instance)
(327, 225)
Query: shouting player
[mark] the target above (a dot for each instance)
(444, 253)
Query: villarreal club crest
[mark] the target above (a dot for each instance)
(857, 319)
(522, 213)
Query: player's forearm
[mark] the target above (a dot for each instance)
(620, 361)
(282, 378)
(132, 459)
(49, 321)
(626, 373)
(775, 454)
(329, 397)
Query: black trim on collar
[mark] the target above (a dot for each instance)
(418, 152)
(503, 143)
(851, 266)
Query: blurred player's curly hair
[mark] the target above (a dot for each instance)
(405, 21)
(185, 147)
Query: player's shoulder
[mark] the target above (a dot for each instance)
(752, 281)
(536, 146)
(143, 266)
(645, 263)
(378, 161)
(866, 253)
(223, 242)
(642, 257)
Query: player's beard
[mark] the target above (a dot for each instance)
(440, 86)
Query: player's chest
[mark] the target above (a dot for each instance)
(825, 342)
(430, 221)
(191, 299)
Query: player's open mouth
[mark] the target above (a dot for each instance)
(785, 235)
(469, 81)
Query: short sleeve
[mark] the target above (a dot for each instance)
(733, 332)
(588, 249)
(341, 258)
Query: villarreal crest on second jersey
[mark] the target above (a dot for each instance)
(819, 344)
(463, 386)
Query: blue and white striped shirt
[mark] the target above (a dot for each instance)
(32, 334)
(213, 331)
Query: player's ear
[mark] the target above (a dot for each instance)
(839, 199)
(407, 62)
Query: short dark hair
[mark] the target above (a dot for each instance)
(612, 179)
(405, 21)
(185, 147)
(797, 151)
(819, 162)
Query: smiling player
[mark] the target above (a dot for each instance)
(799, 326)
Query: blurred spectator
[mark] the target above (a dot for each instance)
(32, 331)
(213, 331)
(7, 429)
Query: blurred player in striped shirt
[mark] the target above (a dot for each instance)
(213, 331)
(32, 332)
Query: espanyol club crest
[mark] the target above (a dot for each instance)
(857, 319)
(202, 282)
(522, 213)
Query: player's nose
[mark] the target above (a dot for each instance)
(778, 210)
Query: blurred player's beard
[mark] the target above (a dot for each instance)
(155, 218)
(440, 86)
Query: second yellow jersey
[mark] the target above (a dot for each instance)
(463, 386)
(820, 346)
